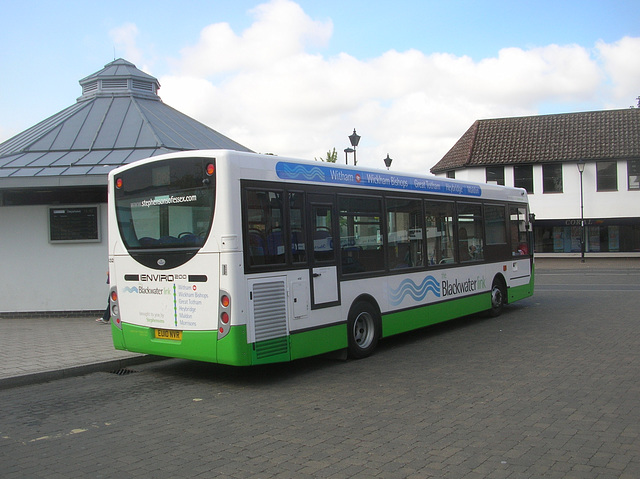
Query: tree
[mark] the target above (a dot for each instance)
(332, 157)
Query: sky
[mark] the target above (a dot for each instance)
(296, 77)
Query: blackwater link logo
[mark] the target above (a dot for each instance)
(455, 287)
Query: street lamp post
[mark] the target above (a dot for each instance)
(354, 138)
(581, 164)
(387, 161)
(346, 154)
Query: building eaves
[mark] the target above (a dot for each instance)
(461, 153)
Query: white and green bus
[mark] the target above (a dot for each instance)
(244, 259)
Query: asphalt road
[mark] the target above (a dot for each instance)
(549, 389)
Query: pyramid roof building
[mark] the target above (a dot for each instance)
(118, 119)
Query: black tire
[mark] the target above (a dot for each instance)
(363, 330)
(498, 297)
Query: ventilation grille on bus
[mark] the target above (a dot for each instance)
(269, 310)
(271, 348)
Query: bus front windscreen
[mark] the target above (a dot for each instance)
(167, 204)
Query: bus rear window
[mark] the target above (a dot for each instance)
(168, 204)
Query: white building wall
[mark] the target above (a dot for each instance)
(566, 205)
(42, 276)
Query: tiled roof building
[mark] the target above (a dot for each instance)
(567, 137)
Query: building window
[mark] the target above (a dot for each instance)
(523, 177)
(552, 178)
(633, 174)
(495, 175)
(607, 172)
(451, 174)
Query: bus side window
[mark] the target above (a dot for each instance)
(404, 235)
(470, 232)
(361, 237)
(296, 226)
(495, 222)
(439, 232)
(265, 241)
(322, 234)
(518, 228)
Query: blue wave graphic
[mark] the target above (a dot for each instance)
(417, 291)
(133, 289)
(287, 171)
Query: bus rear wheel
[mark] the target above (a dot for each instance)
(498, 297)
(363, 330)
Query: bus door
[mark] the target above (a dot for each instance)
(325, 241)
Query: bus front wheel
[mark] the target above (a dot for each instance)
(363, 330)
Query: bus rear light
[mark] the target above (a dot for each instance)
(224, 319)
(225, 301)
(114, 308)
(211, 169)
(119, 183)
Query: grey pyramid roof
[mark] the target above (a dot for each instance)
(590, 136)
(118, 119)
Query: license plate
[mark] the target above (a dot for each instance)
(168, 334)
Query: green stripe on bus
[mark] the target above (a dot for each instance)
(274, 350)
(403, 321)
(318, 341)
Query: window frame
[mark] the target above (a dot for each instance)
(498, 172)
(472, 251)
(367, 255)
(413, 248)
(635, 166)
(521, 181)
(553, 179)
(602, 178)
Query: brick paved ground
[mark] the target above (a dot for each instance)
(550, 389)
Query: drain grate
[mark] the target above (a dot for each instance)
(123, 371)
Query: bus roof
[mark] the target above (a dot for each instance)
(275, 168)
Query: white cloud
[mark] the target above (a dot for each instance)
(268, 90)
(622, 64)
(124, 38)
(281, 30)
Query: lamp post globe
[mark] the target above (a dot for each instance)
(354, 138)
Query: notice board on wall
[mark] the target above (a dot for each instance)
(74, 223)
